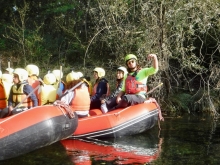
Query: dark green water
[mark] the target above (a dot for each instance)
(188, 140)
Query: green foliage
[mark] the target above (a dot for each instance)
(180, 102)
(184, 34)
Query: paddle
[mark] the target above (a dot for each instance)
(9, 68)
(150, 91)
(59, 90)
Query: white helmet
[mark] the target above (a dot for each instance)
(10, 70)
(123, 69)
(22, 74)
(72, 76)
(80, 74)
(100, 71)
(32, 70)
(57, 74)
(49, 79)
(8, 78)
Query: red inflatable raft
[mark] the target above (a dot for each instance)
(35, 128)
(131, 120)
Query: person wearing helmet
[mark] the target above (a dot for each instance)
(87, 78)
(110, 102)
(7, 81)
(9, 70)
(33, 73)
(60, 84)
(78, 98)
(134, 84)
(100, 89)
(5, 86)
(47, 93)
(80, 74)
(17, 101)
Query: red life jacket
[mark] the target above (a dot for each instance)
(81, 101)
(132, 86)
(34, 83)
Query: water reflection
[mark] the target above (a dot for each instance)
(143, 148)
(187, 140)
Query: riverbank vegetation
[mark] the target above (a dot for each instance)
(83, 34)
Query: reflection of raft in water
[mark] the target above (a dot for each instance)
(125, 150)
(120, 122)
(33, 129)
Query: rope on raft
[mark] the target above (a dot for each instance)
(61, 105)
(152, 100)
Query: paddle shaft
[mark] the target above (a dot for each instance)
(150, 91)
(27, 96)
(71, 89)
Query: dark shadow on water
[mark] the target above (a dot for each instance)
(54, 154)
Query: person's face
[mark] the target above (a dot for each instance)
(15, 79)
(131, 63)
(120, 74)
(95, 74)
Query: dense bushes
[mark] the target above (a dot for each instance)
(82, 34)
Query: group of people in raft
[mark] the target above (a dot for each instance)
(21, 89)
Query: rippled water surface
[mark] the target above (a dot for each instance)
(191, 139)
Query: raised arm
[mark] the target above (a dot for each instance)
(155, 60)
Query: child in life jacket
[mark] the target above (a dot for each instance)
(78, 98)
(109, 102)
(60, 84)
(33, 73)
(5, 86)
(100, 88)
(18, 100)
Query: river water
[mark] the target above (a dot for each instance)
(188, 140)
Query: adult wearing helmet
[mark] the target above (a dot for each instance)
(110, 102)
(134, 84)
(47, 93)
(18, 92)
(100, 89)
(78, 99)
(33, 73)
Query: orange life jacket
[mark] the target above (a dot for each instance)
(18, 95)
(3, 97)
(81, 101)
(132, 86)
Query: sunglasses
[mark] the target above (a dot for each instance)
(131, 62)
